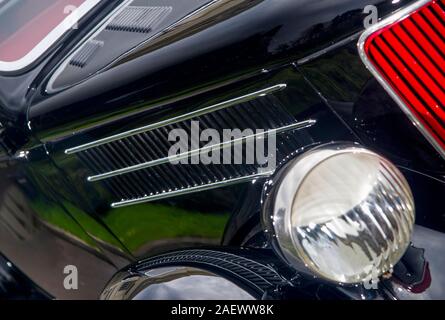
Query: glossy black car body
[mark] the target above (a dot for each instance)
(51, 216)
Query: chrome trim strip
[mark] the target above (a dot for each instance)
(186, 155)
(50, 39)
(361, 48)
(180, 118)
(190, 190)
(326, 50)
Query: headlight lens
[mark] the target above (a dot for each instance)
(345, 212)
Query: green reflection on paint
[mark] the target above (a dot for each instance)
(139, 225)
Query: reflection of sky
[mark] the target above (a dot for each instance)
(196, 287)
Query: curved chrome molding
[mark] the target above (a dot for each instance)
(186, 155)
(49, 40)
(185, 117)
(331, 48)
(361, 47)
(190, 190)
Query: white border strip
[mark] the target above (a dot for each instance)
(400, 15)
(50, 39)
(90, 36)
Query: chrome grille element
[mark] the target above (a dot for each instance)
(136, 166)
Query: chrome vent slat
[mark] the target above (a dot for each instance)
(201, 178)
(154, 144)
(86, 53)
(187, 155)
(99, 160)
(136, 167)
(138, 19)
(189, 190)
(184, 117)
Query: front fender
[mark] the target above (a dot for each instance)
(198, 274)
(222, 274)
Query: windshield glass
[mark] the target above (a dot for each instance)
(29, 27)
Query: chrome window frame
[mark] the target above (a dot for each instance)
(49, 40)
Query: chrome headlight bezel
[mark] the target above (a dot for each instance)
(280, 202)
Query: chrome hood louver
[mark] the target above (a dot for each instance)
(136, 167)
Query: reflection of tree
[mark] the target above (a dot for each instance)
(320, 35)
(339, 75)
(140, 227)
(328, 32)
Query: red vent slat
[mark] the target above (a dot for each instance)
(406, 91)
(421, 57)
(438, 25)
(406, 53)
(413, 67)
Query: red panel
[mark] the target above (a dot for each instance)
(410, 56)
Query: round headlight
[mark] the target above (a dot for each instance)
(344, 212)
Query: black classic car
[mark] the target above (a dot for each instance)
(222, 149)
